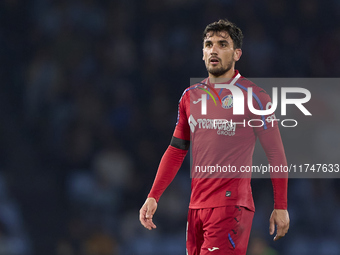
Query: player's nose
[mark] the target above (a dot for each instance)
(213, 50)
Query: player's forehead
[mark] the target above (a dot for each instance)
(217, 36)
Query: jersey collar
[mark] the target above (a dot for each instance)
(231, 81)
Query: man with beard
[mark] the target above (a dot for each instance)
(221, 208)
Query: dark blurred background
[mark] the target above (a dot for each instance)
(88, 103)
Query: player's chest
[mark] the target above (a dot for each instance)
(211, 114)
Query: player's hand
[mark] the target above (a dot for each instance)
(280, 218)
(146, 213)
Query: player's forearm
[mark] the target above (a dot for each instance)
(280, 186)
(167, 170)
(273, 147)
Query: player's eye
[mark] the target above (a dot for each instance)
(223, 44)
(208, 44)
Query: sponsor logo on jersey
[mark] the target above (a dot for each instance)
(227, 102)
(223, 127)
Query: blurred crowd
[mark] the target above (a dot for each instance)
(88, 103)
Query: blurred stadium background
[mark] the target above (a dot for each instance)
(88, 104)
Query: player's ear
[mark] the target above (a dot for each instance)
(237, 54)
(203, 54)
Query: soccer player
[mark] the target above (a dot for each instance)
(221, 208)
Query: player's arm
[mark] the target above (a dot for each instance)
(167, 170)
(273, 147)
(270, 139)
(168, 167)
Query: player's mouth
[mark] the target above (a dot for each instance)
(214, 60)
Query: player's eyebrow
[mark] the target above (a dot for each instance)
(223, 41)
(219, 41)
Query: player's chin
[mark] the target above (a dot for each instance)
(217, 71)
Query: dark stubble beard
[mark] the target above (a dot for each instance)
(220, 70)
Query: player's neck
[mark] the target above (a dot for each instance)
(222, 78)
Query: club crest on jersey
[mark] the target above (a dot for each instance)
(227, 102)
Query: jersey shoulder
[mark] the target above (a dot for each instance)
(192, 87)
(245, 84)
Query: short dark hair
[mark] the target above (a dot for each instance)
(234, 32)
